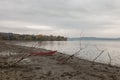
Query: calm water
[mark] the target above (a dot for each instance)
(90, 50)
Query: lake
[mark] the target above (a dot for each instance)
(90, 49)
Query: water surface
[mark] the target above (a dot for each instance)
(90, 49)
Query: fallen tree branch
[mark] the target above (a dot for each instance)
(98, 56)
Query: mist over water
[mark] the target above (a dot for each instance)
(90, 49)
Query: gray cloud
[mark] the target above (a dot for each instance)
(65, 17)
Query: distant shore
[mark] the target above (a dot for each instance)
(50, 68)
(93, 38)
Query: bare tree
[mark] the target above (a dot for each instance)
(76, 53)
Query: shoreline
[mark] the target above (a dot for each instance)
(49, 68)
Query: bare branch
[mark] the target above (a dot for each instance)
(97, 48)
(25, 55)
(98, 56)
(110, 59)
(19, 60)
(80, 49)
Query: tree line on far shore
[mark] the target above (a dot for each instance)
(27, 37)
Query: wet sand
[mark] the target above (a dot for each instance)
(50, 68)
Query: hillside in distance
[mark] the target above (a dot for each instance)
(91, 38)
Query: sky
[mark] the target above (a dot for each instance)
(70, 18)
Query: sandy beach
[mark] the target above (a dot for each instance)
(50, 68)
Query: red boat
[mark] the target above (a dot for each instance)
(43, 53)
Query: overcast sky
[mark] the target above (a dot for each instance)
(96, 18)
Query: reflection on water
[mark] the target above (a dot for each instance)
(91, 49)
